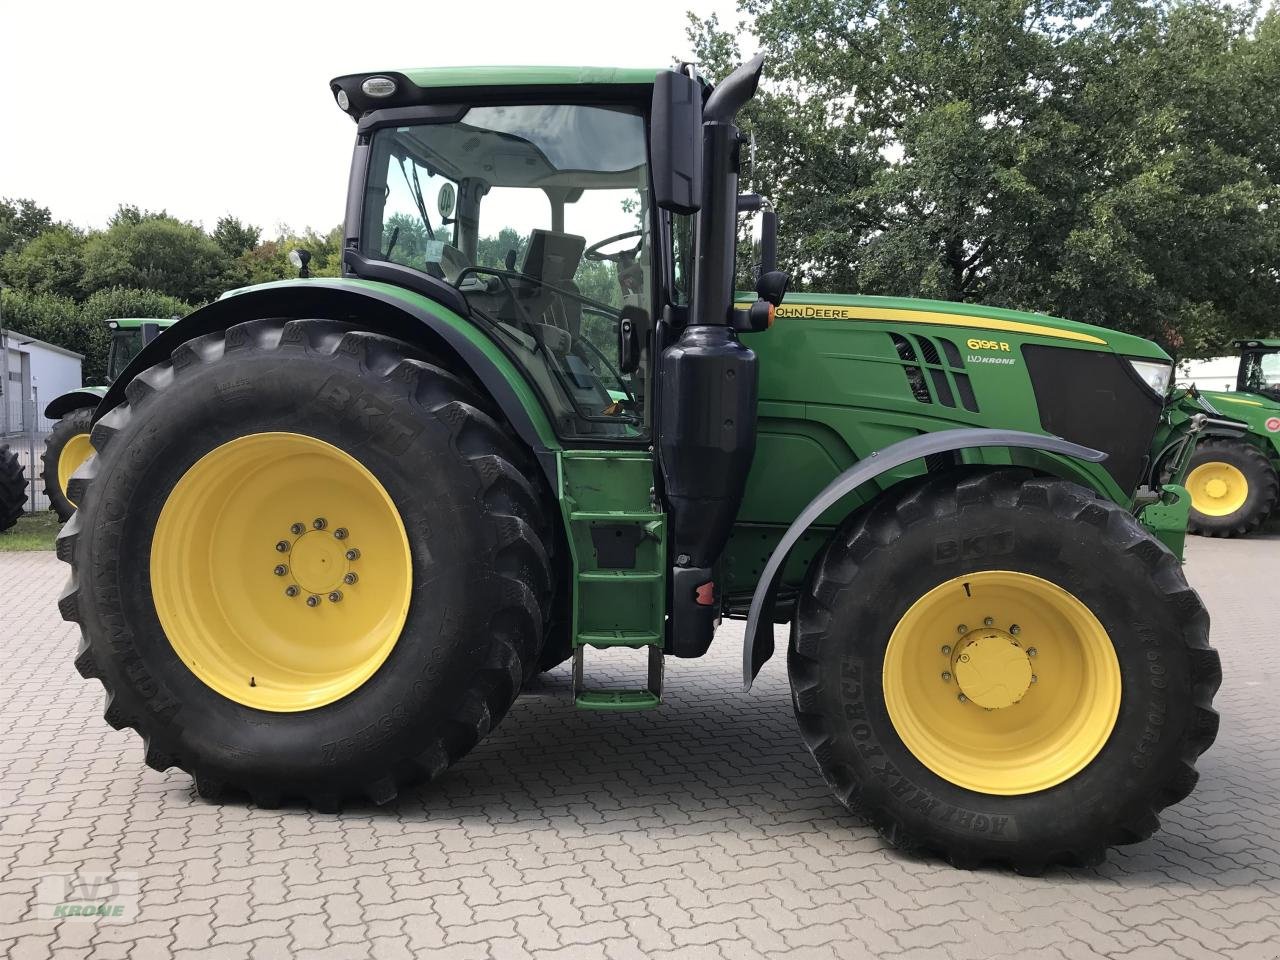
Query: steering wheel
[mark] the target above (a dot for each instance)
(593, 252)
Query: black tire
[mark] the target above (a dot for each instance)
(887, 555)
(477, 537)
(13, 488)
(74, 424)
(1264, 488)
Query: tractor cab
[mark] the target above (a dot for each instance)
(1259, 368)
(538, 214)
(128, 337)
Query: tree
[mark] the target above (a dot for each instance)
(52, 263)
(1113, 162)
(144, 250)
(234, 237)
(21, 221)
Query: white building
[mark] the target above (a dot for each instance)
(1218, 373)
(34, 372)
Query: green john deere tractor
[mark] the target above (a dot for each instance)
(1234, 478)
(334, 525)
(67, 445)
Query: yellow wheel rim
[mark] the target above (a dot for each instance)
(1217, 489)
(1001, 682)
(280, 571)
(74, 452)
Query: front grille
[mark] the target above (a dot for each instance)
(1095, 399)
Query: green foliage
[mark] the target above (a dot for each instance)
(269, 260)
(154, 251)
(234, 237)
(21, 221)
(52, 262)
(1113, 162)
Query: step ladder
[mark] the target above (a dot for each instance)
(617, 540)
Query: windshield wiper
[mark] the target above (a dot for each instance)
(415, 191)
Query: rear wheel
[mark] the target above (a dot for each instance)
(1031, 683)
(1233, 487)
(66, 447)
(13, 488)
(307, 563)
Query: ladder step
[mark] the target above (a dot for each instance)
(635, 639)
(590, 575)
(617, 700)
(624, 516)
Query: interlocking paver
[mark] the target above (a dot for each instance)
(699, 831)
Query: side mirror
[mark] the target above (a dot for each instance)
(628, 344)
(675, 143)
(149, 332)
(768, 242)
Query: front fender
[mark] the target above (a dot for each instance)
(383, 308)
(758, 644)
(59, 407)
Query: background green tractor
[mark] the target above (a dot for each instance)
(67, 445)
(334, 525)
(1233, 477)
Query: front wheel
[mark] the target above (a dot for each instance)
(13, 488)
(65, 449)
(998, 667)
(307, 562)
(1233, 486)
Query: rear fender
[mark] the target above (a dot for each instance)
(89, 397)
(379, 307)
(758, 644)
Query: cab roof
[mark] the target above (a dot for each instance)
(418, 85)
(1261, 343)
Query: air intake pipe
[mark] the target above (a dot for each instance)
(707, 419)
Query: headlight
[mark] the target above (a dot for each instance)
(1154, 374)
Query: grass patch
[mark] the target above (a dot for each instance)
(32, 532)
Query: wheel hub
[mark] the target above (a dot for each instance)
(318, 561)
(991, 668)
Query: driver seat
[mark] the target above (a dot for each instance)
(553, 258)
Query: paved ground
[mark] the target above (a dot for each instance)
(698, 831)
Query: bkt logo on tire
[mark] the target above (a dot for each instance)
(1274, 424)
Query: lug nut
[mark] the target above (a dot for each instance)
(313, 601)
(297, 529)
(1015, 630)
(341, 533)
(1031, 651)
(962, 629)
(946, 649)
(335, 596)
(962, 698)
(283, 546)
(281, 569)
(349, 579)
(946, 676)
(988, 622)
(291, 590)
(1034, 678)
(319, 523)
(353, 554)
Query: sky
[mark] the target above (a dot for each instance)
(208, 109)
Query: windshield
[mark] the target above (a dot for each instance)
(539, 215)
(125, 345)
(1262, 373)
